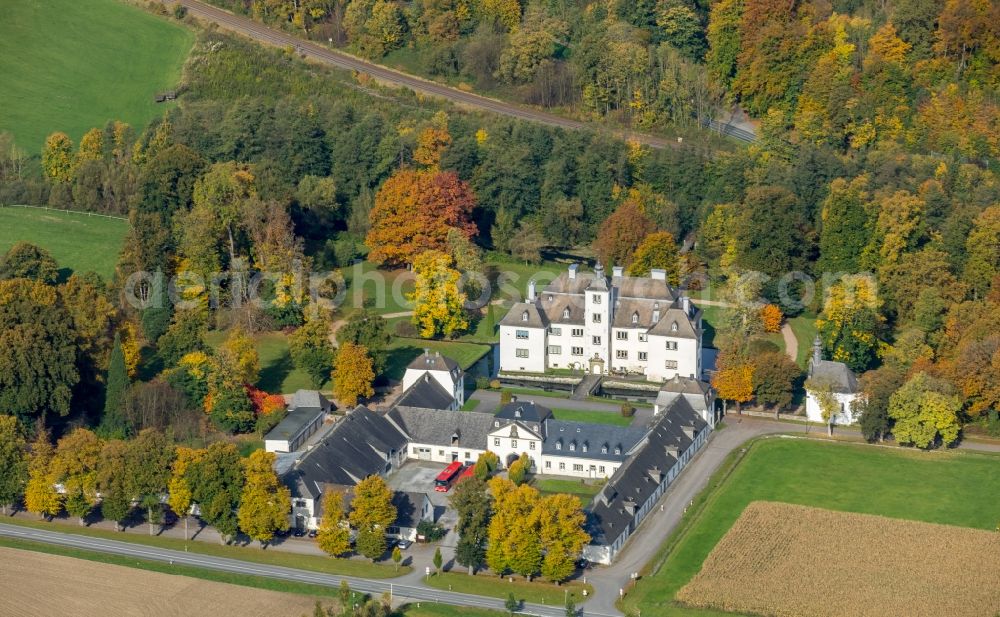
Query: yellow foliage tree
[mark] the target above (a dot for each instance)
(131, 348)
(57, 157)
(506, 13)
(734, 383)
(353, 374)
(40, 496)
(334, 535)
(91, 146)
(178, 487)
(771, 318)
(432, 141)
(438, 304)
(265, 502)
(239, 354)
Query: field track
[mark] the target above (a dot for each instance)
(795, 561)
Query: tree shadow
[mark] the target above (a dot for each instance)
(274, 374)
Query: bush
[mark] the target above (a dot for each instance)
(506, 397)
(992, 423)
(494, 384)
(405, 329)
(432, 532)
(762, 346)
(180, 11)
(627, 410)
(155, 322)
(482, 383)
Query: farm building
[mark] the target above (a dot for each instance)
(308, 410)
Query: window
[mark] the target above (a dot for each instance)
(656, 315)
(642, 337)
(577, 467)
(595, 317)
(585, 447)
(513, 443)
(596, 298)
(558, 445)
(555, 350)
(673, 327)
(635, 317)
(562, 466)
(671, 345)
(596, 340)
(604, 449)
(521, 353)
(496, 423)
(555, 331)
(524, 316)
(522, 334)
(618, 450)
(601, 469)
(566, 313)
(468, 455)
(440, 452)
(577, 332)
(621, 354)
(621, 335)
(642, 356)
(548, 464)
(577, 351)
(496, 442)
(572, 447)
(671, 364)
(531, 445)
(300, 503)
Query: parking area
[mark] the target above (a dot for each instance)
(418, 477)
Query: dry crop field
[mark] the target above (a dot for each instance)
(43, 585)
(788, 560)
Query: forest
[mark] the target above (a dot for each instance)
(875, 159)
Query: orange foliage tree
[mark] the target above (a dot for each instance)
(413, 212)
(771, 317)
(621, 234)
(734, 379)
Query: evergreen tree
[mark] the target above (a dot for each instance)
(113, 422)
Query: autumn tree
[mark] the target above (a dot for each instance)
(622, 233)
(850, 322)
(13, 462)
(983, 247)
(658, 250)
(561, 523)
(371, 513)
(352, 374)
(368, 329)
(312, 351)
(774, 377)
(179, 489)
(413, 212)
(38, 350)
(265, 502)
(334, 536)
(40, 495)
(822, 390)
(27, 261)
(473, 506)
(114, 482)
(733, 379)
(925, 410)
(74, 466)
(239, 353)
(871, 407)
(771, 318)
(57, 158)
(438, 304)
(514, 542)
(432, 141)
(150, 456)
(217, 482)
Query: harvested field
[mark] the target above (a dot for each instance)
(42, 585)
(788, 560)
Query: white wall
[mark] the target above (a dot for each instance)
(814, 414)
(687, 355)
(504, 445)
(535, 344)
(456, 387)
(594, 328)
(442, 454)
(566, 466)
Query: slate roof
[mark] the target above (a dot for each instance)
(637, 479)
(292, 424)
(524, 411)
(358, 446)
(644, 287)
(437, 426)
(642, 309)
(554, 308)
(426, 392)
(514, 317)
(563, 284)
(685, 323)
(593, 436)
(837, 374)
(429, 361)
(310, 399)
(698, 393)
(408, 506)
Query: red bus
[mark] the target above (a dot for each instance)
(445, 479)
(470, 471)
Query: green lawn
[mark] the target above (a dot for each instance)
(804, 327)
(471, 404)
(953, 488)
(613, 418)
(584, 490)
(385, 290)
(485, 584)
(79, 242)
(277, 373)
(315, 563)
(429, 609)
(70, 66)
(402, 351)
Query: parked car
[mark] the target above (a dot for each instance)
(404, 544)
(312, 533)
(582, 564)
(299, 532)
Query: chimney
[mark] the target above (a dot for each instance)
(427, 356)
(686, 305)
(572, 270)
(617, 271)
(658, 274)
(531, 290)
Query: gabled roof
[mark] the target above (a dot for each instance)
(559, 309)
(837, 374)
(563, 284)
(310, 399)
(697, 393)
(644, 288)
(561, 434)
(643, 311)
(434, 361)
(358, 446)
(686, 324)
(294, 423)
(515, 317)
(438, 426)
(524, 411)
(426, 392)
(636, 480)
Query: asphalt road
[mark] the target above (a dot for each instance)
(264, 34)
(376, 588)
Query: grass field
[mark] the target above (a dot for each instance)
(316, 563)
(951, 488)
(583, 490)
(613, 418)
(78, 242)
(795, 561)
(70, 66)
(429, 609)
(402, 351)
(485, 584)
(37, 583)
(804, 327)
(277, 373)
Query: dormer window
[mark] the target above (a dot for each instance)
(584, 447)
(566, 313)
(572, 446)
(496, 423)
(635, 317)
(548, 298)
(618, 450)
(656, 315)
(517, 412)
(559, 445)
(604, 449)
(524, 316)
(673, 327)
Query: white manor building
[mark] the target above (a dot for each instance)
(586, 321)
